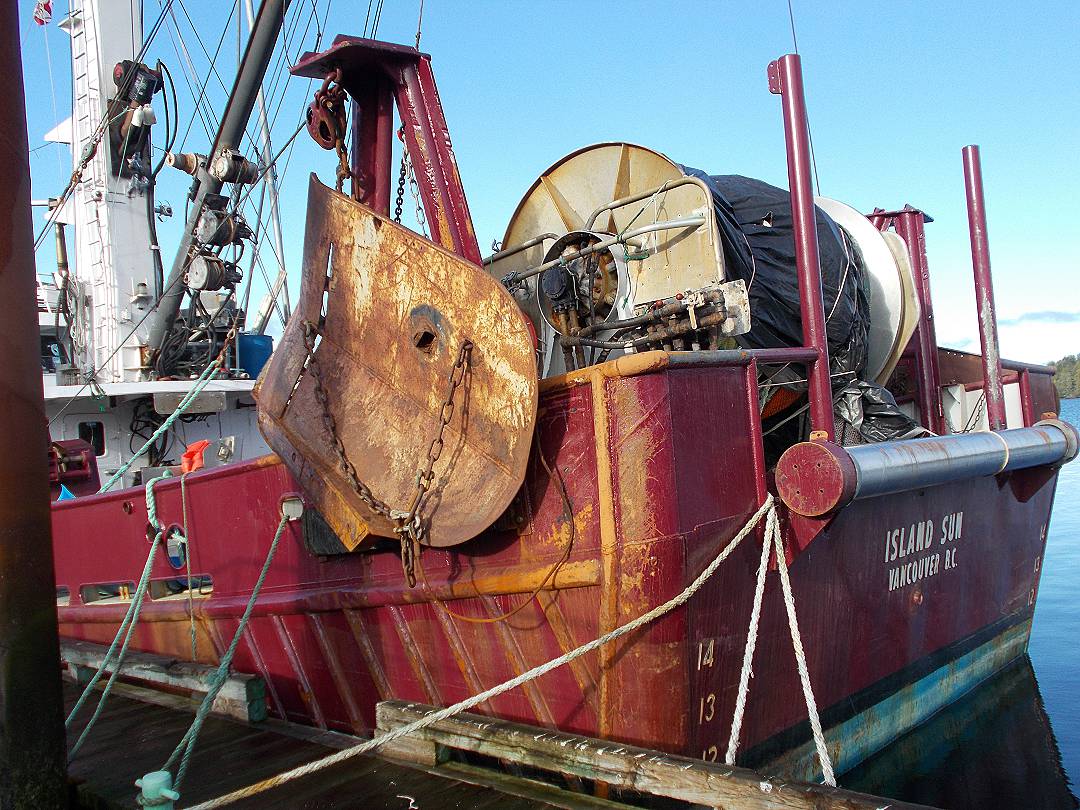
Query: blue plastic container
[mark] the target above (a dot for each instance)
(254, 350)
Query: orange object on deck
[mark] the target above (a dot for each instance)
(192, 459)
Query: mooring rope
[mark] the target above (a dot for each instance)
(203, 380)
(127, 626)
(186, 746)
(767, 508)
(187, 566)
(800, 656)
(751, 643)
(774, 544)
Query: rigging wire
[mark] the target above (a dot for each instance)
(280, 73)
(52, 90)
(280, 175)
(185, 65)
(259, 230)
(212, 59)
(809, 135)
(367, 17)
(419, 20)
(99, 132)
(170, 133)
(91, 381)
(377, 20)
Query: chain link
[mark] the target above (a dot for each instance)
(410, 529)
(414, 189)
(399, 200)
(408, 525)
(359, 487)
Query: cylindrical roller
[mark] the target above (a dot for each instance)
(817, 478)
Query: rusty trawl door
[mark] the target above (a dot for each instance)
(388, 312)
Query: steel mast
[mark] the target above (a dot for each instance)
(245, 91)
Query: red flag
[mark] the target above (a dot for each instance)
(43, 12)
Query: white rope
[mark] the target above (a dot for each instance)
(751, 643)
(772, 532)
(468, 703)
(800, 656)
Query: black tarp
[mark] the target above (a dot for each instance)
(867, 412)
(754, 219)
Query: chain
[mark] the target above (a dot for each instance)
(343, 171)
(408, 526)
(414, 189)
(359, 487)
(399, 200)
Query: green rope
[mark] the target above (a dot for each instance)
(127, 626)
(201, 383)
(187, 565)
(186, 746)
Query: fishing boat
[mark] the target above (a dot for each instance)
(661, 378)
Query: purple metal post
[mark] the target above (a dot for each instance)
(785, 79)
(909, 224)
(984, 289)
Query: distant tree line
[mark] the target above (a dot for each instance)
(1067, 378)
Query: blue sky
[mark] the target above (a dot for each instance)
(892, 96)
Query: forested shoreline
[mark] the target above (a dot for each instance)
(1067, 378)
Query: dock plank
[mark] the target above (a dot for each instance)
(133, 737)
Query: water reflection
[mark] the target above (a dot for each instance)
(994, 748)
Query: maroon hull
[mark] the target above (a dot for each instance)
(661, 456)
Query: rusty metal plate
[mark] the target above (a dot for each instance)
(396, 309)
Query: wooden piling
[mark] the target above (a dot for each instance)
(32, 747)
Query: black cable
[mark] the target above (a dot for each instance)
(171, 133)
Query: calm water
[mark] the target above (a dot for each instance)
(1014, 742)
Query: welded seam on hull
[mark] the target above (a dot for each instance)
(461, 654)
(307, 694)
(344, 690)
(608, 615)
(566, 641)
(367, 651)
(516, 659)
(216, 639)
(412, 653)
(264, 671)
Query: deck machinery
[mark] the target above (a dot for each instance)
(499, 466)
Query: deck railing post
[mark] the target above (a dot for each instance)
(984, 289)
(785, 79)
(909, 224)
(32, 750)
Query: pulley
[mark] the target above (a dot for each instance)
(207, 271)
(325, 116)
(229, 166)
(218, 228)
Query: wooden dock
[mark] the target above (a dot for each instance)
(140, 726)
(134, 736)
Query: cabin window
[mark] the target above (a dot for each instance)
(107, 592)
(63, 596)
(93, 433)
(201, 585)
